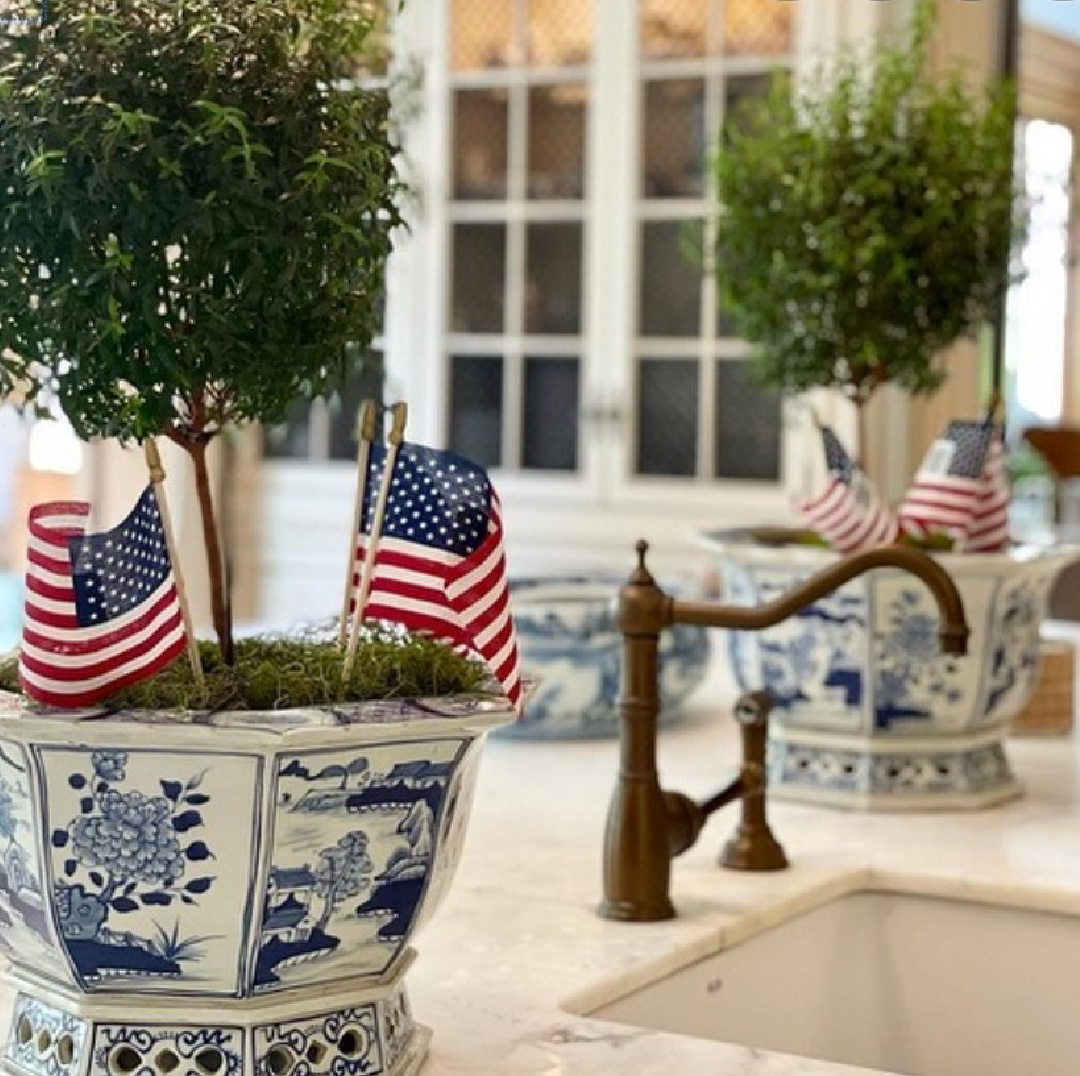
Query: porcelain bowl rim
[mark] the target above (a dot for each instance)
(742, 545)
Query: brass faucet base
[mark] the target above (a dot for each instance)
(753, 851)
(634, 912)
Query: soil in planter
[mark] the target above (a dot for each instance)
(287, 672)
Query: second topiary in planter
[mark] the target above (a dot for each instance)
(868, 213)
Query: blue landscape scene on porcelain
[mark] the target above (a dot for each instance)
(571, 644)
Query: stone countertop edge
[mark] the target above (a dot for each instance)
(517, 955)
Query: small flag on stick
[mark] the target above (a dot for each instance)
(848, 512)
(374, 529)
(945, 494)
(366, 435)
(157, 482)
(439, 564)
(989, 532)
(103, 610)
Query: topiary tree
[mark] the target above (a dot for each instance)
(867, 218)
(197, 214)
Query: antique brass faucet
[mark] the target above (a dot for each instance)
(647, 826)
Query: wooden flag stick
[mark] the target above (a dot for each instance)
(393, 443)
(366, 434)
(157, 478)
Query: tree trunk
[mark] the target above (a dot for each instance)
(861, 438)
(219, 605)
(328, 910)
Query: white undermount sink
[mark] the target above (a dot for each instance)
(903, 983)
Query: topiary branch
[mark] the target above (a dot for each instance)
(868, 215)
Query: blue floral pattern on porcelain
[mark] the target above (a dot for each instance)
(569, 641)
(126, 851)
(282, 861)
(140, 843)
(862, 688)
(827, 672)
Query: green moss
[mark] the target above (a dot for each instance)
(931, 543)
(809, 538)
(281, 673)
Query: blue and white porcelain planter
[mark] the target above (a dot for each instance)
(570, 643)
(869, 713)
(227, 894)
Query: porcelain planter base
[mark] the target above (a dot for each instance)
(227, 894)
(361, 1029)
(951, 773)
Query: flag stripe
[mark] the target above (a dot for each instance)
(990, 527)
(49, 558)
(945, 494)
(102, 610)
(64, 668)
(66, 627)
(71, 649)
(50, 693)
(49, 591)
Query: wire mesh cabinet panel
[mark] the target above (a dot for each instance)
(583, 342)
(520, 80)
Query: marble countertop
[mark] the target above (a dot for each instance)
(517, 947)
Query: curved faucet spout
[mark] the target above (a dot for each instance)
(647, 826)
(953, 631)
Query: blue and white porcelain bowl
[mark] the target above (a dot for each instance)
(570, 643)
(869, 712)
(230, 893)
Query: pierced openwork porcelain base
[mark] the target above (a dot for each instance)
(361, 1029)
(960, 772)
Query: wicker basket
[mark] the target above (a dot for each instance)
(1049, 712)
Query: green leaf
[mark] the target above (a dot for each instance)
(869, 218)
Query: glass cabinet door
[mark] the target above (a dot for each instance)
(534, 384)
(696, 413)
(519, 95)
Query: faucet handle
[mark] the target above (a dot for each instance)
(753, 707)
(753, 846)
(641, 574)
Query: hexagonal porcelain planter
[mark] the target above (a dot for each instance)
(228, 894)
(869, 713)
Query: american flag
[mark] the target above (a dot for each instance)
(440, 567)
(989, 531)
(102, 610)
(848, 513)
(945, 494)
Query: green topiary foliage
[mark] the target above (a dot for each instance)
(196, 217)
(281, 673)
(867, 218)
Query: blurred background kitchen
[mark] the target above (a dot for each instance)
(544, 319)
